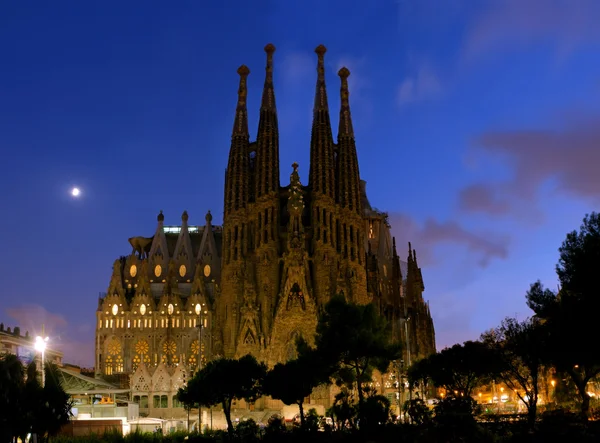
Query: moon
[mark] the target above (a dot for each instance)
(75, 192)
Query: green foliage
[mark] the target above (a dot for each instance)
(417, 411)
(344, 410)
(248, 431)
(374, 413)
(26, 406)
(519, 349)
(312, 421)
(223, 380)
(355, 340)
(275, 427)
(569, 317)
(458, 369)
(293, 381)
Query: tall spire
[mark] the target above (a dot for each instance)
(322, 167)
(240, 126)
(345, 128)
(267, 152)
(348, 175)
(236, 176)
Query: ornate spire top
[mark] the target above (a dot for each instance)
(208, 217)
(345, 128)
(295, 166)
(240, 126)
(161, 217)
(321, 96)
(409, 251)
(268, 97)
(184, 217)
(320, 51)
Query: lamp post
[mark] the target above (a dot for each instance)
(40, 346)
(200, 347)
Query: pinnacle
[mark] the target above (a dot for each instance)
(344, 73)
(270, 48)
(321, 50)
(243, 70)
(160, 217)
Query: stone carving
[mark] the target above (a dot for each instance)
(141, 245)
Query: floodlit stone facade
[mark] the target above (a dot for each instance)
(258, 281)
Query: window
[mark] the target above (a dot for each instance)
(160, 401)
(177, 403)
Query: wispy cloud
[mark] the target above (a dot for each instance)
(423, 85)
(566, 157)
(566, 24)
(66, 337)
(483, 247)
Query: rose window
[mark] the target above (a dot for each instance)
(169, 347)
(141, 347)
(114, 347)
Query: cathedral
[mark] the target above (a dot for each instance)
(191, 293)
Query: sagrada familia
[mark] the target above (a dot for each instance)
(192, 293)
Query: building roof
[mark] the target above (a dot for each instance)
(75, 383)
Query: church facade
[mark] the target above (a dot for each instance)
(256, 283)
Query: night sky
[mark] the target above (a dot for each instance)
(477, 127)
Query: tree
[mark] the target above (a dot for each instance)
(223, 380)
(519, 349)
(459, 369)
(293, 381)
(56, 407)
(184, 396)
(569, 316)
(12, 382)
(355, 340)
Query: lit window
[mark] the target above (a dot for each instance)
(207, 270)
(182, 270)
(115, 309)
(143, 309)
(158, 270)
(198, 308)
(133, 270)
(170, 309)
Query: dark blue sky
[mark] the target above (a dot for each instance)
(476, 124)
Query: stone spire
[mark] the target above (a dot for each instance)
(267, 151)
(348, 176)
(322, 167)
(236, 177)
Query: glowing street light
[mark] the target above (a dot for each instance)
(40, 346)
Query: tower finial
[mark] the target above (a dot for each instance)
(184, 217)
(161, 217)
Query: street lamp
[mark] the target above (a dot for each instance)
(40, 346)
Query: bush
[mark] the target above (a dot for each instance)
(248, 430)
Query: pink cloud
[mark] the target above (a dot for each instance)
(567, 24)
(567, 158)
(31, 317)
(428, 235)
(64, 336)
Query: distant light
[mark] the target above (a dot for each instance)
(75, 192)
(40, 343)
